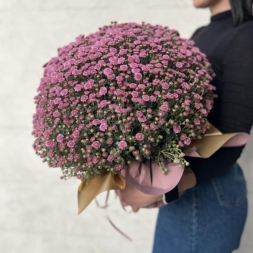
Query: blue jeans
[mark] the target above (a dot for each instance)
(208, 218)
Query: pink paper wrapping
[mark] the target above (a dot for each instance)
(148, 178)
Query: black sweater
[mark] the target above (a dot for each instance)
(230, 51)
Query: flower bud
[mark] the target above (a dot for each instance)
(147, 152)
(138, 158)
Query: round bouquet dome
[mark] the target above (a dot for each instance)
(126, 92)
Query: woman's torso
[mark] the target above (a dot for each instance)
(219, 41)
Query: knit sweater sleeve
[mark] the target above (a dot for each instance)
(234, 104)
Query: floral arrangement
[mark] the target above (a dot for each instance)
(127, 92)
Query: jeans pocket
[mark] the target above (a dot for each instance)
(230, 187)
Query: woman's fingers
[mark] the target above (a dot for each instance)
(135, 209)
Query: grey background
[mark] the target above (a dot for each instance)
(38, 212)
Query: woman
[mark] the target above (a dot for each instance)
(209, 216)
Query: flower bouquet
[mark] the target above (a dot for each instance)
(119, 98)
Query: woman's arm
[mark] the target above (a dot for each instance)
(234, 105)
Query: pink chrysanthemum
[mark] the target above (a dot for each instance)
(122, 145)
(139, 137)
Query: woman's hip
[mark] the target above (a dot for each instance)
(208, 218)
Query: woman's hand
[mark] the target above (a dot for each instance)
(130, 196)
(187, 181)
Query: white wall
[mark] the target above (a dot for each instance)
(38, 212)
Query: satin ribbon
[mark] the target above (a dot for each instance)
(150, 179)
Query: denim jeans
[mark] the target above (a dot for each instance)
(208, 218)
